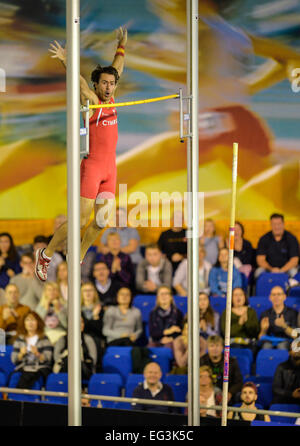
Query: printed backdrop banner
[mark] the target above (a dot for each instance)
(248, 53)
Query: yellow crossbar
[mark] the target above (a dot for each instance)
(145, 101)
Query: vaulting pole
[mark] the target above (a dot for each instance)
(73, 180)
(229, 287)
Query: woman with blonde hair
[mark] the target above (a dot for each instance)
(53, 311)
(165, 320)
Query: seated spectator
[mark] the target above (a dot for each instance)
(40, 241)
(130, 238)
(248, 398)
(217, 280)
(209, 394)
(62, 279)
(9, 259)
(29, 286)
(119, 263)
(180, 350)
(244, 257)
(32, 352)
(165, 320)
(173, 242)
(277, 322)
(244, 327)
(53, 311)
(106, 287)
(153, 389)
(92, 313)
(180, 280)
(286, 382)
(88, 355)
(153, 271)
(209, 319)
(278, 250)
(214, 358)
(12, 313)
(122, 324)
(212, 242)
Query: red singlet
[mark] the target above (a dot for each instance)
(98, 172)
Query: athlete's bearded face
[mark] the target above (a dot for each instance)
(106, 87)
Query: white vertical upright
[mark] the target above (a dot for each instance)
(193, 213)
(73, 181)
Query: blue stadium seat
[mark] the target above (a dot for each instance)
(23, 397)
(181, 303)
(293, 302)
(105, 384)
(2, 382)
(179, 384)
(297, 277)
(244, 281)
(133, 380)
(118, 360)
(259, 304)
(295, 292)
(245, 352)
(267, 361)
(57, 382)
(266, 281)
(244, 365)
(6, 366)
(145, 303)
(218, 304)
(163, 356)
(264, 394)
(284, 408)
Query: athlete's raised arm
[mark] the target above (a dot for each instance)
(118, 62)
(85, 92)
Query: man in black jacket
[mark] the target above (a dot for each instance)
(286, 382)
(214, 358)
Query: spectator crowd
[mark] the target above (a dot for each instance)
(33, 315)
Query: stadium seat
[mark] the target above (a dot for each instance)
(105, 384)
(245, 352)
(118, 360)
(293, 302)
(218, 304)
(57, 382)
(6, 366)
(181, 303)
(284, 408)
(267, 361)
(266, 281)
(179, 384)
(145, 303)
(23, 397)
(244, 365)
(264, 394)
(2, 382)
(133, 380)
(163, 356)
(259, 304)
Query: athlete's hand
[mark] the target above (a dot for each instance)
(122, 36)
(58, 51)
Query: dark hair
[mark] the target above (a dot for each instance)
(277, 216)
(208, 315)
(40, 239)
(99, 262)
(218, 264)
(29, 255)
(244, 292)
(95, 76)
(12, 253)
(131, 295)
(153, 246)
(241, 226)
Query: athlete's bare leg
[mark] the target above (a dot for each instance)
(60, 235)
(101, 215)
